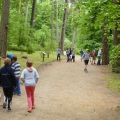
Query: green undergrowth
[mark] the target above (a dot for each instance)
(35, 57)
(114, 82)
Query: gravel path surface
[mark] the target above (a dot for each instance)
(65, 92)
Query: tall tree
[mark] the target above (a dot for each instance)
(57, 21)
(26, 13)
(32, 17)
(116, 34)
(20, 2)
(73, 38)
(52, 26)
(33, 13)
(4, 27)
(63, 27)
(116, 30)
(105, 49)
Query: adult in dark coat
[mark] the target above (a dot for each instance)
(7, 81)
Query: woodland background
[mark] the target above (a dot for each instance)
(43, 25)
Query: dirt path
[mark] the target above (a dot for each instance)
(65, 92)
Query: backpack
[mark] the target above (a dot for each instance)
(86, 55)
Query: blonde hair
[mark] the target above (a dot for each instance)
(7, 61)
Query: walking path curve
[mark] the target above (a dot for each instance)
(65, 92)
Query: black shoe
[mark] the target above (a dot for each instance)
(9, 108)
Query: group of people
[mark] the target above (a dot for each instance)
(10, 81)
(70, 53)
(87, 56)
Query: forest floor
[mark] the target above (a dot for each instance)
(65, 92)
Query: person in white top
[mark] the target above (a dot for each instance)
(99, 57)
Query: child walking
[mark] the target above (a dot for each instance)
(7, 81)
(73, 55)
(16, 66)
(67, 53)
(30, 77)
(86, 56)
(93, 55)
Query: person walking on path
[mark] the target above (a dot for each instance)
(16, 66)
(7, 81)
(58, 54)
(99, 57)
(93, 55)
(68, 54)
(30, 77)
(73, 55)
(81, 54)
(86, 56)
(9, 55)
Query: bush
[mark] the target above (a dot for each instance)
(115, 58)
(17, 48)
(30, 50)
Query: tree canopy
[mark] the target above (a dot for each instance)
(96, 24)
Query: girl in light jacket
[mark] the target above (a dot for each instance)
(30, 77)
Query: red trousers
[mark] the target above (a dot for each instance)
(30, 95)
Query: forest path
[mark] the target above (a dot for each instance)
(65, 92)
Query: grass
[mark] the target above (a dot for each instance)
(114, 82)
(35, 57)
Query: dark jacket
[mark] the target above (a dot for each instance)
(7, 76)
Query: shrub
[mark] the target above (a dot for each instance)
(30, 50)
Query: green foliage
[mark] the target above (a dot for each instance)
(115, 58)
(30, 49)
(87, 16)
(35, 57)
(42, 36)
(67, 44)
(17, 48)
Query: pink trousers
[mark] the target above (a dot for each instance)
(30, 95)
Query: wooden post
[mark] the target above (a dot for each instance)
(47, 55)
(43, 55)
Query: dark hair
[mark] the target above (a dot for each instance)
(29, 63)
(14, 58)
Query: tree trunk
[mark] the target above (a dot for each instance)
(33, 14)
(63, 28)
(20, 1)
(4, 27)
(32, 18)
(105, 49)
(26, 14)
(116, 34)
(57, 39)
(52, 27)
(74, 36)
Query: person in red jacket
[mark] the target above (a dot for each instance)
(93, 55)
